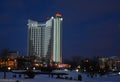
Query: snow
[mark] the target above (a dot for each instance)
(74, 74)
(7, 80)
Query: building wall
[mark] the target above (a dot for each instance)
(113, 63)
(34, 38)
(57, 47)
(44, 39)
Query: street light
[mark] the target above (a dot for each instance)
(9, 68)
(33, 68)
(27, 68)
(119, 73)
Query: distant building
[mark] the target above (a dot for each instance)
(113, 63)
(45, 39)
(9, 60)
(103, 62)
(13, 54)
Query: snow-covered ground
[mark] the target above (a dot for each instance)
(46, 78)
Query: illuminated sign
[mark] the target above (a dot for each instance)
(58, 15)
(42, 25)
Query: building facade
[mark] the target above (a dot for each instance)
(45, 39)
(113, 63)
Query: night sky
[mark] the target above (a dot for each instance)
(90, 27)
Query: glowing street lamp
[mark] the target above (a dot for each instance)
(9, 68)
(33, 68)
(119, 73)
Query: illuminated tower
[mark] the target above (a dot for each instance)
(45, 39)
(57, 38)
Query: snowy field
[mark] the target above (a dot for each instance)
(46, 78)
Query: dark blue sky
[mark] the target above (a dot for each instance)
(90, 27)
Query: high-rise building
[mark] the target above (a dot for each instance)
(45, 39)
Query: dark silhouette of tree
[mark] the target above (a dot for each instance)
(4, 57)
(21, 63)
(74, 61)
(4, 53)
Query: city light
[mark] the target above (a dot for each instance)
(9, 68)
(65, 69)
(33, 68)
(77, 70)
(119, 73)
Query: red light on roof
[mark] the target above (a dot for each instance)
(58, 15)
